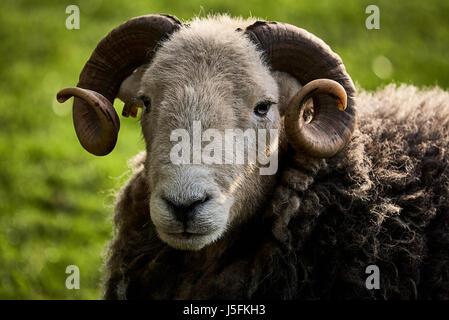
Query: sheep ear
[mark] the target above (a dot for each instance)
(128, 92)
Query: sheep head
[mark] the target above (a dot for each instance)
(213, 74)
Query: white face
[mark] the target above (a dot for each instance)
(208, 216)
(194, 202)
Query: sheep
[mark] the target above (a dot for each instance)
(362, 178)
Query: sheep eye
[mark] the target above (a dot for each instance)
(146, 102)
(263, 107)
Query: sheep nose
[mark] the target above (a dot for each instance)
(187, 209)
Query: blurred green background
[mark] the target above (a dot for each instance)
(56, 199)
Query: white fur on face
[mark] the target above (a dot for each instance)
(180, 184)
(206, 72)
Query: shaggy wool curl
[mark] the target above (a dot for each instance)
(383, 200)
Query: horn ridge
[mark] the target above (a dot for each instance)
(116, 56)
(290, 49)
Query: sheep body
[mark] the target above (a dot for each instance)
(383, 200)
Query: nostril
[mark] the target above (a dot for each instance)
(185, 210)
(198, 202)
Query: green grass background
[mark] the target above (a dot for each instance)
(55, 198)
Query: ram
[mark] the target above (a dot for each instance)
(362, 178)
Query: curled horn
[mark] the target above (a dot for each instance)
(116, 56)
(307, 58)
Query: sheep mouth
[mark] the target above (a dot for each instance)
(186, 235)
(187, 240)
